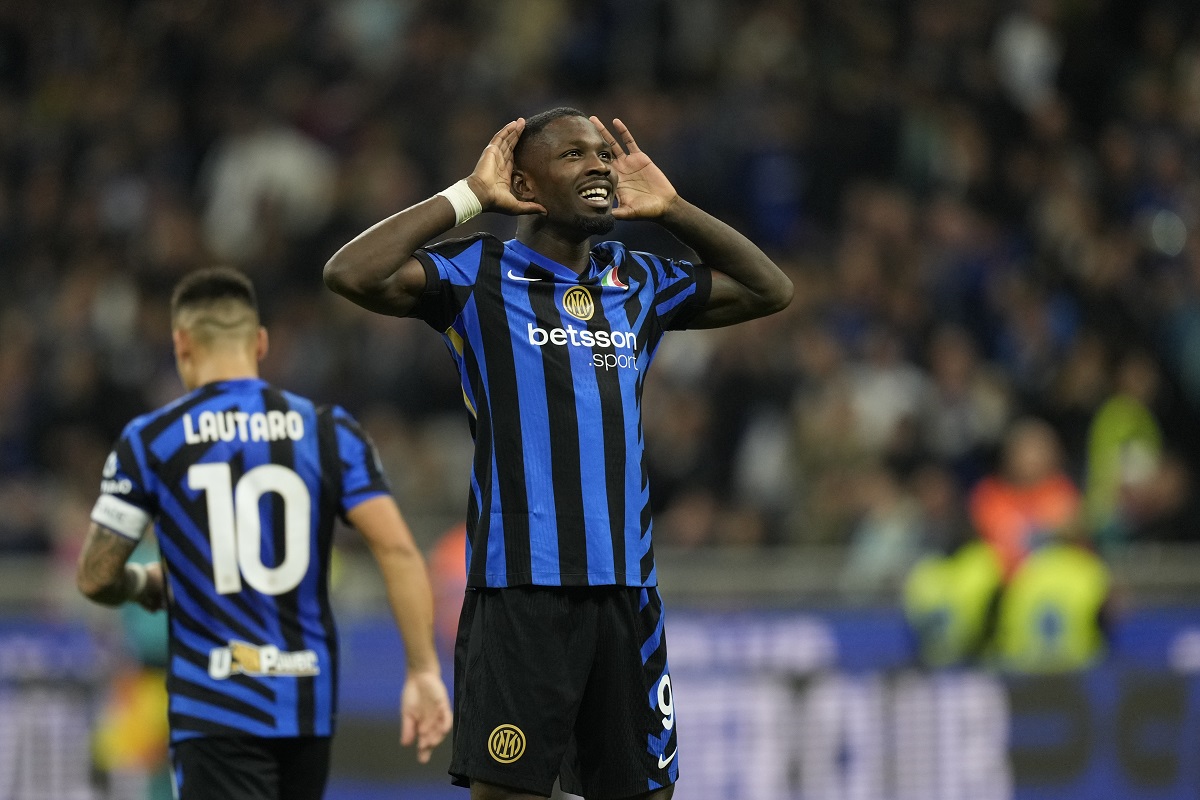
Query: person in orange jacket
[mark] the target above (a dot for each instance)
(1029, 499)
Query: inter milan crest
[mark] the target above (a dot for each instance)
(506, 743)
(578, 303)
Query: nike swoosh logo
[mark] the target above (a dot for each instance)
(517, 277)
(662, 762)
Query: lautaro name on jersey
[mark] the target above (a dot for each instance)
(244, 483)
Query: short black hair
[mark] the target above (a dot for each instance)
(537, 123)
(205, 287)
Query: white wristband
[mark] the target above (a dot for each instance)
(139, 579)
(466, 204)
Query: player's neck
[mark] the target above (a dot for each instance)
(222, 369)
(564, 248)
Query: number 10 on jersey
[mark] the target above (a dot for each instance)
(235, 526)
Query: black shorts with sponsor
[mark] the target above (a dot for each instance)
(251, 768)
(567, 682)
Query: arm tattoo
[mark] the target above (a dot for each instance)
(102, 574)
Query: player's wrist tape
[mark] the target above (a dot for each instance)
(466, 204)
(139, 580)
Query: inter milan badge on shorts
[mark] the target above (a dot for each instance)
(506, 743)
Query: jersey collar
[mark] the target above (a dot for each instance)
(597, 264)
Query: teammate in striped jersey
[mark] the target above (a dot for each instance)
(560, 666)
(243, 483)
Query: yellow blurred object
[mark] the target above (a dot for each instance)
(948, 601)
(1050, 614)
(132, 732)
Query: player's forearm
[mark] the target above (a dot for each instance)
(368, 269)
(411, 600)
(721, 247)
(103, 576)
(387, 534)
(112, 589)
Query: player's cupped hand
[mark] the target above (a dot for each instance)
(643, 191)
(492, 178)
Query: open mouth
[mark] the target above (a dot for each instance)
(597, 196)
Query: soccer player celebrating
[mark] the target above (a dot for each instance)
(561, 663)
(238, 476)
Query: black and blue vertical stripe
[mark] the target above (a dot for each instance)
(558, 493)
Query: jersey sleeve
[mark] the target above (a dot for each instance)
(362, 474)
(681, 291)
(451, 268)
(127, 502)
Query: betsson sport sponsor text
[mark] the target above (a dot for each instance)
(577, 337)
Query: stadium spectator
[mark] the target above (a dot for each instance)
(1029, 500)
(1052, 611)
(886, 541)
(967, 407)
(1166, 506)
(950, 602)
(1124, 448)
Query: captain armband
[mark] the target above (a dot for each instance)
(120, 516)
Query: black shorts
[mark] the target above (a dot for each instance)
(563, 682)
(251, 768)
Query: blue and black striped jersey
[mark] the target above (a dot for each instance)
(244, 483)
(552, 366)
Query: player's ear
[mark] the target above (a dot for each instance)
(522, 187)
(183, 344)
(183, 357)
(262, 344)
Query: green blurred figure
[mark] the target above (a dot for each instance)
(950, 603)
(1124, 449)
(1052, 614)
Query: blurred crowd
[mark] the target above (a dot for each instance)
(989, 210)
